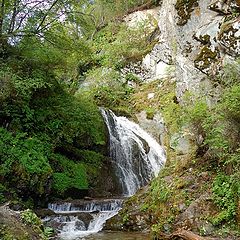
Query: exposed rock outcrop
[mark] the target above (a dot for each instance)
(196, 39)
(12, 226)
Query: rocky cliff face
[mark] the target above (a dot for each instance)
(196, 39)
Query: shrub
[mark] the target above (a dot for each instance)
(24, 161)
(30, 218)
(226, 192)
(68, 174)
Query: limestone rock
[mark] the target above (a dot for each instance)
(154, 127)
(229, 37)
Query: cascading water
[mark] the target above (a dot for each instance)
(77, 220)
(137, 157)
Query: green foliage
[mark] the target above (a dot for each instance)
(119, 44)
(65, 118)
(68, 174)
(230, 103)
(113, 9)
(41, 117)
(125, 218)
(30, 218)
(197, 112)
(230, 74)
(26, 159)
(133, 78)
(107, 88)
(6, 80)
(219, 125)
(160, 191)
(48, 232)
(150, 113)
(226, 191)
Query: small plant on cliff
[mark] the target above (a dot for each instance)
(30, 218)
(226, 192)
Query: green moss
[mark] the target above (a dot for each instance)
(150, 113)
(205, 58)
(204, 39)
(68, 174)
(164, 101)
(227, 37)
(184, 9)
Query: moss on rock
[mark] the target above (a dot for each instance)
(229, 37)
(205, 58)
(184, 9)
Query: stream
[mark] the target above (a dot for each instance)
(118, 236)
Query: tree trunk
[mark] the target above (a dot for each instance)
(13, 18)
(2, 17)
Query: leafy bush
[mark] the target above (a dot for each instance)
(24, 161)
(230, 103)
(219, 125)
(30, 218)
(42, 118)
(226, 191)
(68, 174)
(108, 89)
(118, 44)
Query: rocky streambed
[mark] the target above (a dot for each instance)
(78, 219)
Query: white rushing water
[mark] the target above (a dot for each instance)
(87, 206)
(72, 230)
(73, 227)
(137, 156)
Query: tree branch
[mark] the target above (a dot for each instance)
(13, 18)
(45, 16)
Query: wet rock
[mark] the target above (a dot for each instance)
(57, 221)
(107, 184)
(42, 213)
(114, 224)
(133, 222)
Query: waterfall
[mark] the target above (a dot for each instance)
(136, 156)
(87, 206)
(81, 218)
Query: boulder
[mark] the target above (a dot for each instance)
(12, 226)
